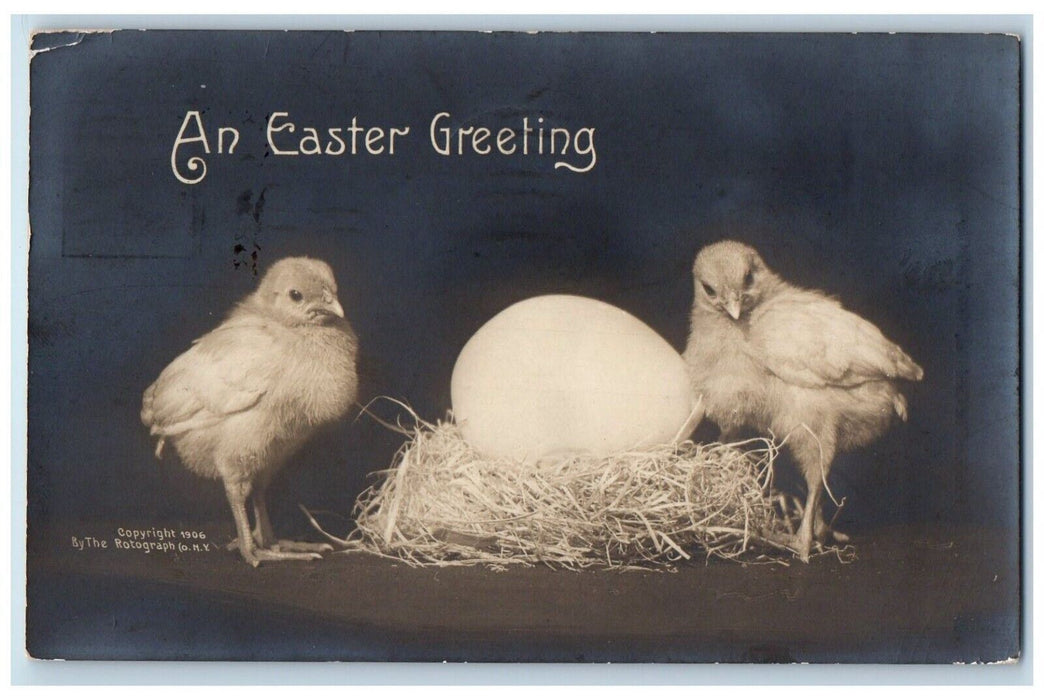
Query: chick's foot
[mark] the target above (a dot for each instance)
(283, 546)
(255, 556)
(826, 533)
(292, 546)
(829, 535)
(259, 541)
(796, 543)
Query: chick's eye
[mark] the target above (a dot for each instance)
(709, 289)
(748, 280)
(296, 295)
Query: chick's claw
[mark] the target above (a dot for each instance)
(285, 546)
(827, 534)
(256, 556)
(793, 542)
(280, 555)
(292, 546)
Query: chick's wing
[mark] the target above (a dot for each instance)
(226, 371)
(808, 339)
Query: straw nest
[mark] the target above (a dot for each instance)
(444, 504)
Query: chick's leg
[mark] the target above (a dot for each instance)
(813, 454)
(264, 535)
(799, 542)
(238, 490)
(819, 469)
(803, 539)
(825, 532)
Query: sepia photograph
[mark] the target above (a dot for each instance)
(505, 346)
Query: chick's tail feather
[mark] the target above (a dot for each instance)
(899, 402)
(148, 418)
(146, 406)
(907, 368)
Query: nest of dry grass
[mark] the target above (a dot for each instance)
(444, 504)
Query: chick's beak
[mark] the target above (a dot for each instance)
(334, 307)
(329, 306)
(733, 307)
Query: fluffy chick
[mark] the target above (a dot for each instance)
(770, 356)
(239, 402)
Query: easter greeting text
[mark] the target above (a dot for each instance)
(568, 148)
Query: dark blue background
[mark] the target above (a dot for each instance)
(880, 168)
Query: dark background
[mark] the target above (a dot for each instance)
(883, 169)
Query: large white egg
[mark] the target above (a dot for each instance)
(567, 374)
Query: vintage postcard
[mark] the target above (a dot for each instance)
(537, 347)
